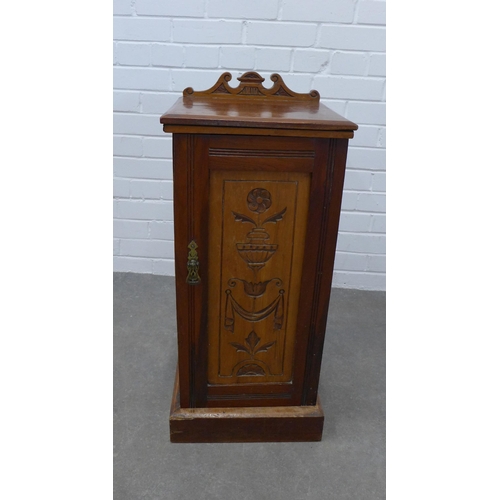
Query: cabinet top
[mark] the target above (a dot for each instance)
(278, 110)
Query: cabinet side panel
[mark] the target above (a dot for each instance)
(327, 229)
(181, 161)
(190, 224)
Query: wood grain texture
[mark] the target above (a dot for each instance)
(190, 198)
(255, 267)
(277, 163)
(335, 163)
(244, 425)
(258, 179)
(304, 180)
(251, 87)
(278, 110)
(267, 132)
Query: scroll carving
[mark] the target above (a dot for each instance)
(251, 87)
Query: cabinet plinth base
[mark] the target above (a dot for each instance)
(245, 424)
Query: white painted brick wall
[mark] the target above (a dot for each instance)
(133, 54)
(273, 59)
(201, 56)
(337, 48)
(142, 29)
(281, 33)
(339, 11)
(237, 57)
(190, 8)
(256, 9)
(310, 60)
(206, 31)
(163, 54)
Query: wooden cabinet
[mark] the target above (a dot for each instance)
(258, 177)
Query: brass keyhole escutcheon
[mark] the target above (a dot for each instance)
(193, 265)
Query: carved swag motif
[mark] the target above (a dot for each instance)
(256, 252)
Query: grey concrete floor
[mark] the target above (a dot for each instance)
(348, 464)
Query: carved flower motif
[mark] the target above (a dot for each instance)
(259, 200)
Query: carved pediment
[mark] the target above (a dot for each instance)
(251, 86)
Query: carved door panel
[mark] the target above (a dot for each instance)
(257, 235)
(259, 198)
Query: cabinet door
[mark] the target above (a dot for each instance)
(256, 220)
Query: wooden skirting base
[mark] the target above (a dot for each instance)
(244, 425)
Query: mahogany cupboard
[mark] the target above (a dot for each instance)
(258, 177)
